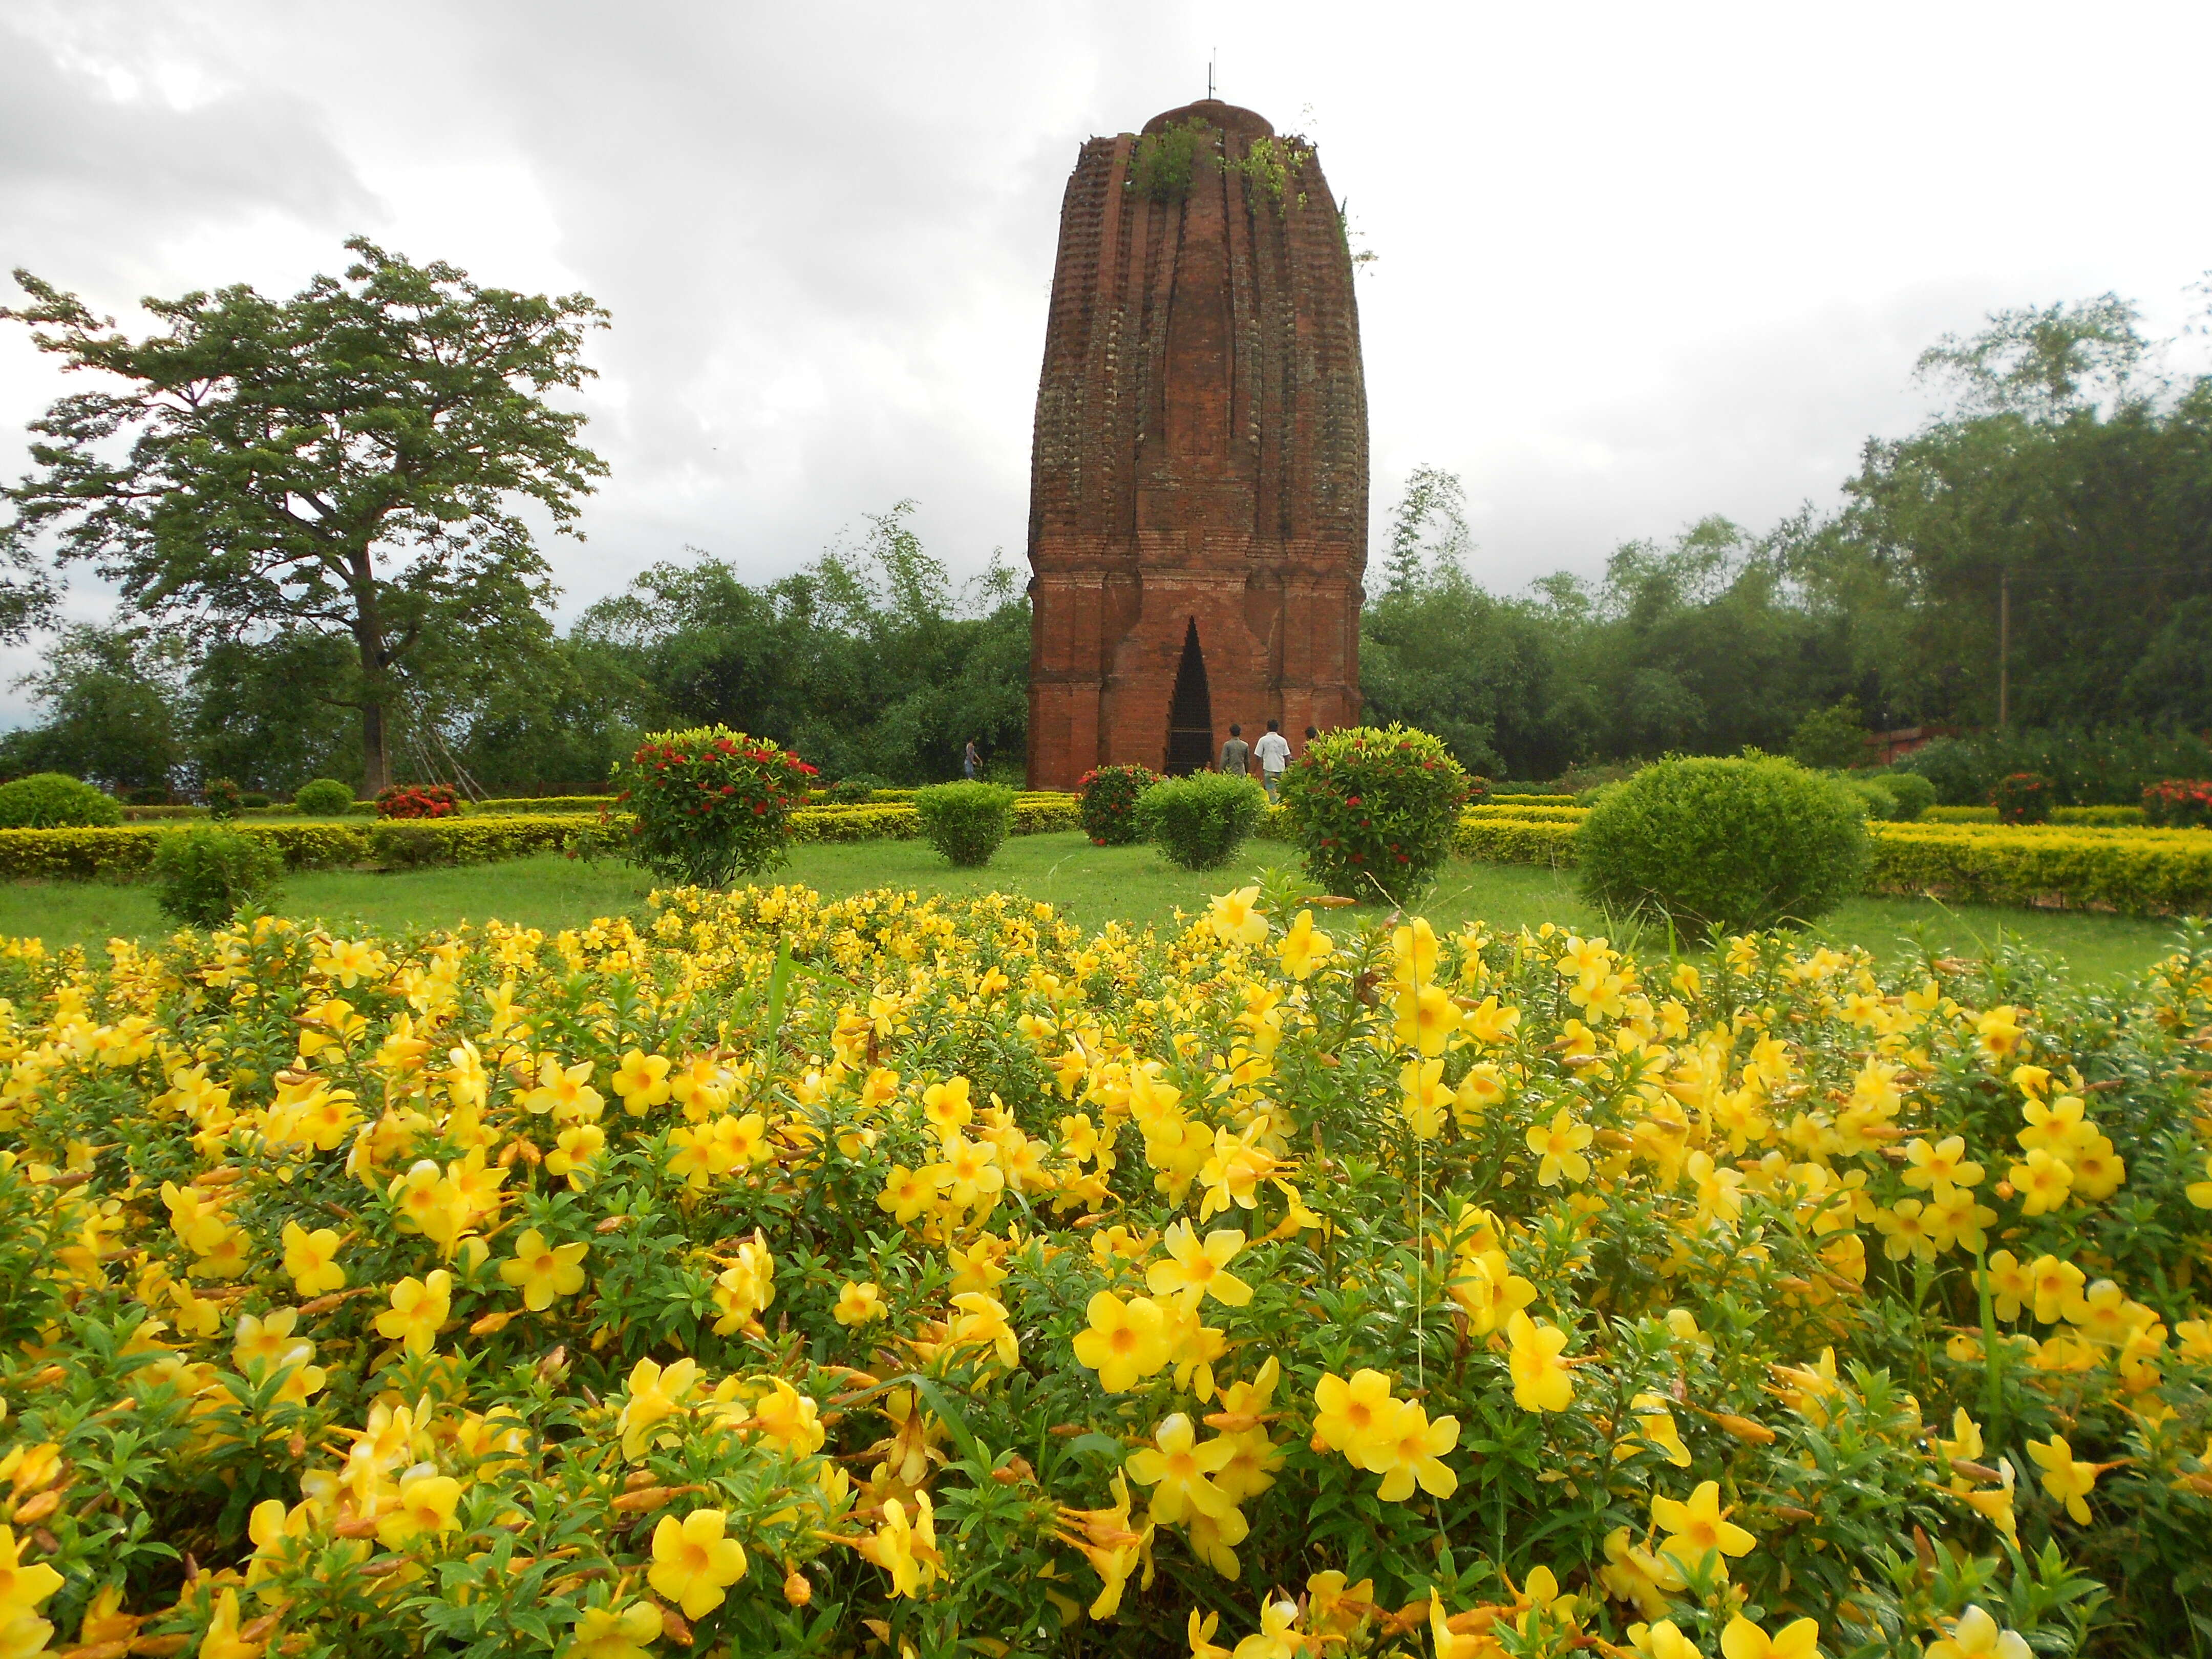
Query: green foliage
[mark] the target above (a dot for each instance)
(1166, 162)
(2023, 797)
(54, 801)
(2108, 767)
(852, 792)
(1831, 737)
(223, 799)
(1108, 796)
(1736, 844)
(109, 696)
(965, 822)
(1913, 794)
(344, 463)
(2179, 804)
(324, 798)
(710, 804)
(1375, 809)
(2145, 873)
(418, 801)
(204, 877)
(1199, 821)
(1878, 799)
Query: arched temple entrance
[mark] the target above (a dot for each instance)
(1190, 713)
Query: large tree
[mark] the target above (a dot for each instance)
(351, 461)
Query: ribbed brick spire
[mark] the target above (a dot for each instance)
(1201, 459)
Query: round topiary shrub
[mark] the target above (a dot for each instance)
(1914, 793)
(2023, 797)
(204, 877)
(857, 791)
(966, 822)
(1734, 844)
(54, 801)
(325, 798)
(1107, 798)
(417, 800)
(2179, 804)
(222, 799)
(1199, 821)
(1374, 809)
(710, 805)
(1879, 798)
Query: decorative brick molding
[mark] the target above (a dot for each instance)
(1200, 457)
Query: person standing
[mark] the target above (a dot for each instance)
(971, 761)
(1273, 750)
(1237, 754)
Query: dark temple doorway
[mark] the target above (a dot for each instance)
(1190, 714)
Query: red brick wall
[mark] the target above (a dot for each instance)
(1201, 454)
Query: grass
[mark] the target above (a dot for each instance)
(1093, 884)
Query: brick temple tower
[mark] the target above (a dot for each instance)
(1198, 489)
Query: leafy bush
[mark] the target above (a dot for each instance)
(2023, 797)
(1913, 794)
(1728, 843)
(54, 801)
(204, 877)
(325, 798)
(1200, 821)
(1477, 790)
(710, 805)
(223, 799)
(1880, 799)
(2179, 804)
(254, 799)
(417, 800)
(1108, 796)
(852, 792)
(1375, 809)
(1831, 737)
(965, 822)
(2109, 767)
(156, 795)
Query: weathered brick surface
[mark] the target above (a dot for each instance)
(1200, 457)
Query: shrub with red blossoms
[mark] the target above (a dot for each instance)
(1107, 798)
(2179, 804)
(417, 800)
(2024, 798)
(710, 805)
(1375, 809)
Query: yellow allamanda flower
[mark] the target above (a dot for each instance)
(907, 1549)
(311, 1260)
(1196, 1269)
(566, 1093)
(1426, 1017)
(1179, 1470)
(1744, 1640)
(1356, 1417)
(906, 1193)
(1410, 1451)
(1975, 1635)
(1559, 1146)
(2065, 1477)
(2042, 1181)
(1944, 1162)
(656, 1393)
(982, 1321)
(419, 1307)
(1655, 1427)
(1236, 919)
(1305, 948)
(969, 1173)
(1426, 1100)
(1541, 1380)
(624, 1632)
(1126, 1342)
(694, 1564)
(543, 1271)
(426, 1503)
(1698, 1530)
(948, 1107)
(859, 1303)
(22, 1589)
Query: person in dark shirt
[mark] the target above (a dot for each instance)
(1237, 754)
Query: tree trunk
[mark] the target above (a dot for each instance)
(375, 762)
(375, 661)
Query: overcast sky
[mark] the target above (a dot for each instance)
(1635, 264)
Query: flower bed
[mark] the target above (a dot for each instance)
(790, 1277)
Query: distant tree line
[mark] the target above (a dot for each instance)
(323, 574)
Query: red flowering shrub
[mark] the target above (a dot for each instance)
(711, 804)
(2023, 797)
(1374, 808)
(1107, 798)
(2179, 804)
(417, 800)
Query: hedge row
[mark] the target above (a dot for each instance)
(1528, 800)
(1034, 814)
(123, 853)
(1547, 813)
(1502, 838)
(2108, 818)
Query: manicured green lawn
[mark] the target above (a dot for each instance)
(1094, 884)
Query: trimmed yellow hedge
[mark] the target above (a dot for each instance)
(1545, 814)
(1496, 838)
(1035, 814)
(1528, 800)
(2109, 817)
(2148, 872)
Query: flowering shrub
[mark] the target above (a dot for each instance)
(784, 1277)
(2179, 804)
(2023, 797)
(417, 800)
(1374, 809)
(1108, 795)
(710, 805)
(221, 798)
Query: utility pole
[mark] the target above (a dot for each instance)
(2005, 648)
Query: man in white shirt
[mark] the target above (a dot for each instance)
(1272, 752)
